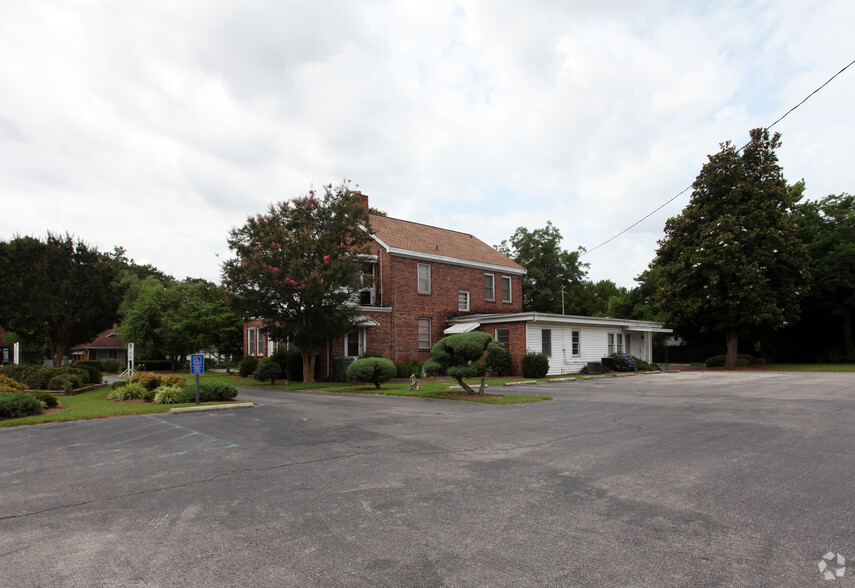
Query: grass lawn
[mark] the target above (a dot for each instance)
(812, 367)
(429, 389)
(91, 405)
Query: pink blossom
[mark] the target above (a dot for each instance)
(244, 263)
(255, 248)
(326, 258)
(343, 246)
(330, 186)
(312, 192)
(275, 270)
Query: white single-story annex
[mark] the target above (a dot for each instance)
(569, 341)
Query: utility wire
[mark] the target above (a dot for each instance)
(687, 188)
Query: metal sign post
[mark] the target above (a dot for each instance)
(197, 367)
(16, 353)
(129, 371)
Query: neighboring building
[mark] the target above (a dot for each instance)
(106, 345)
(569, 341)
(5, 349)
(424, 282)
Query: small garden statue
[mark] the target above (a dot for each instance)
(414, 383)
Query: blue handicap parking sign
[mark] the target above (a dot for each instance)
(197, 364)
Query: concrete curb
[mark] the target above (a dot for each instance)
(524, 383)
(210, 408)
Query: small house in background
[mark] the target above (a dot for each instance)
(5, 349)
(106, 345)
(423, 283)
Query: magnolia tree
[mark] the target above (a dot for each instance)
(297, 268)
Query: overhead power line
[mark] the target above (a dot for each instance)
(687, 188)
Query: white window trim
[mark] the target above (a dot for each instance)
(510, 289)
(492, 277)
(360, 345)
(466, 309)
(542, 350)
(578, 352)
(419, 278)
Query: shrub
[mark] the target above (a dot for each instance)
(208, 392)
(479, 367)
(742, 360)
(48, 399)
(624, 362)
(130, 391)
(7, 384)
(371, 369)
(534, 364)
(367, 354)
(65, 382)
(38, 377)
(150, 380)
(173, 380)
(111, 366)
(498, 359)
(148, 395)
(433, 368)
(268, 369)
(247, 366)
(92, 368)
(118, 384)
(14, 405)
(408, 368)
(167, 395)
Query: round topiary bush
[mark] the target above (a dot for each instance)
(247, 366)
(47, 398)
(371, 369)
(534, 364)
(268, 369)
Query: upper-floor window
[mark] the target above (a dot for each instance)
(546, 342)
(368, 291)
(463, 301)
(506, 289)
(424, 278)
(489, 287)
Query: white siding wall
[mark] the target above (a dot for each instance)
(594, 344)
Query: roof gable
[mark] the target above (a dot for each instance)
(425, 239)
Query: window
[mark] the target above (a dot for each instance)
(506, 289)
(619, 346)
(424, 333)
(367, 281)
(424, 278)
(627, 348)
(463, 301)
(354, 343)
(611, 343)
(250, 341)
(575, 347)
(616, 343)
(546, 342)
(503, 336)
(489, 287)
(260, 338)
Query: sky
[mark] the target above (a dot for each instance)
(158, 126)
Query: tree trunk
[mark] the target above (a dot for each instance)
(848, 343)
(732, 347)
(487, 373)
(464, 385)
(308, 366)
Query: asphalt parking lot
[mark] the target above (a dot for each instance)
(681, 479)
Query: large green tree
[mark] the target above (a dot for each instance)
(551, 271)
(828, 229)
(732, 262)
(178, 319)
(59, 287)
(297, 267)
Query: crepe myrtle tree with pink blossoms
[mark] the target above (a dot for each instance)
(297, 267)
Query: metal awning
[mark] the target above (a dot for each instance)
(364, 321)
(648, 329)
(461, 328)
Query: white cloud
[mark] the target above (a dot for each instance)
(157, 126)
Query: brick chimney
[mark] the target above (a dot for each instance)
(363, 199)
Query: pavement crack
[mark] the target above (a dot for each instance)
(166, 488)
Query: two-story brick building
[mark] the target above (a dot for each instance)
(417, 278)
(424, 282)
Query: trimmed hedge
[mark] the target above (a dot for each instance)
(65, 382)
(247, 366)
(14, 405)
(371, 369)
(93, 369)
(208, 392)
(36, 377)
(534, 364)
(47, 398)
(111, 366)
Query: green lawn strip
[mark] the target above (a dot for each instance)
(92, 405)
(811, 367)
